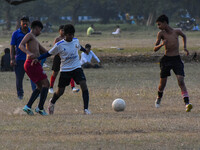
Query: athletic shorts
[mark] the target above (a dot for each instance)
(56, 63)
(171, 62)
(65, 77)
(34, 72)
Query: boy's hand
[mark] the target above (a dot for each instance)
(34, 61)
(187, 52)
(13, 62)
(31, 56)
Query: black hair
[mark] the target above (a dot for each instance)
(7, 50)
(163, 18)
(61, 27)
(87, 46)
(25, 18)
(36, 23)
(69, 29)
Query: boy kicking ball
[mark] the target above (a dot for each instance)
(171, 59)
(70, 67)
(32, 48)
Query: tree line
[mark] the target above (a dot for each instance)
(144, 11)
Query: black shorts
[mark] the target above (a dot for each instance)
(171, 62)
(65, 77)
(56, 63)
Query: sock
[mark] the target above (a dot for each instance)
(160, 94)
(185, 97)
(72, 83)
(54, 98)
(85, 95)
(43, 96)
(34, 96)
(52, 80)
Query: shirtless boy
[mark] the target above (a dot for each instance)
(32, 48)
(171, 59)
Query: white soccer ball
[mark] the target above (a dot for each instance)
(118, 104)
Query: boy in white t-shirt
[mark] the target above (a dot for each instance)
(70, 67)
(86, 58)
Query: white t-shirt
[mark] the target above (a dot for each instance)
(68, 52)
(87, 58)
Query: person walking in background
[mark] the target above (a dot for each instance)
(17, 57)
(5, 61)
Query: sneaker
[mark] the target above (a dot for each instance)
(188, 107)
(87, 112)
(41, 112)
(75, 90)
(51, 107)
(51, 90)
(28, 110)
(157, 102)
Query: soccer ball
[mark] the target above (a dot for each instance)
(118, 104)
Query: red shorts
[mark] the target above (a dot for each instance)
(34, 72)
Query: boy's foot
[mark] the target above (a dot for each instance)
(41, 112)
(28, 110)
(51, 90)
(51, 107)
(188, 107)
(157, 102)
(87, 112)
(75, 90)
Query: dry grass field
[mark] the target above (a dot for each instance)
(140, 126)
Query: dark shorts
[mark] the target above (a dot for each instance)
(171, 62)
(65, 77)
(35, 72)
(56, 63)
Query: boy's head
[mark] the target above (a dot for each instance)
(162, 22)
(6, 50)
(24, 22)
(69, 31)
(88, 48)
(61, 30)
(37, 26)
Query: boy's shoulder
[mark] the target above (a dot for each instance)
(60, 42)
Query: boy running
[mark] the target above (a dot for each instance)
(70, 67)
(56, 64)
(171, 59)
(32, 48)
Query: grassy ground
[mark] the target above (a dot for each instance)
(140, 126)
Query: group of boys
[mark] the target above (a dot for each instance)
(66, 55)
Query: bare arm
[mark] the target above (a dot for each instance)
(157, 44)
(184, 41)
(23, 43)
(12, 55)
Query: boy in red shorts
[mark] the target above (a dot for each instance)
(32, 48)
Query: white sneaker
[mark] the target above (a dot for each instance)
(87, 112)
(51, 90)
(188, 107)
(157, 102)
(75, 90)
(51, 107)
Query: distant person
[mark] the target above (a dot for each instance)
(57, 62)
(5, 61)
(18, 57)
(171, 60)
(86, 58)
(33, 48)
(91, 31)
(117, 31)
